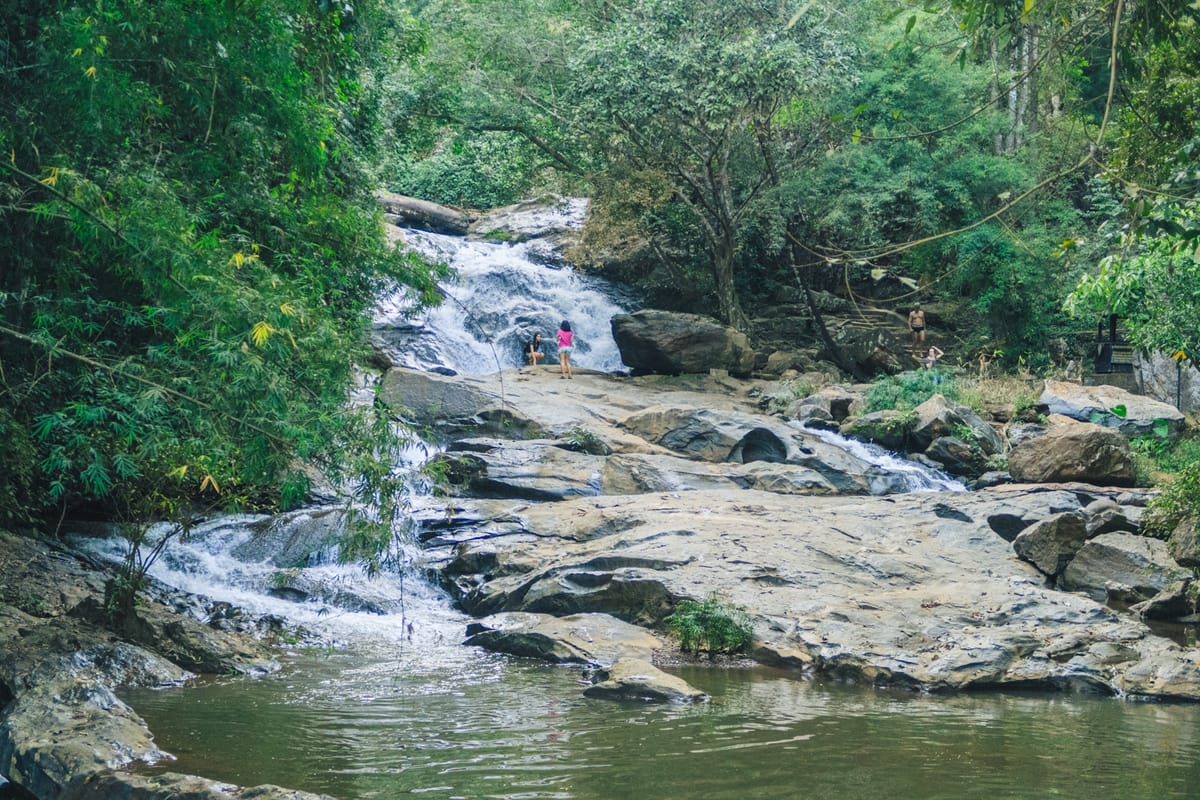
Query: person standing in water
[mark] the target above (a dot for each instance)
(566, 341)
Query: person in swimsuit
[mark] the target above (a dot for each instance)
(566, 340)
(916, 325)
(931, 361)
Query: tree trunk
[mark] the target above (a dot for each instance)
(727, 296)
(833, 348)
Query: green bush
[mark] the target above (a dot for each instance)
(909, 389)
(710, 626)
(1180, 499)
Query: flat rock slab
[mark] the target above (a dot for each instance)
(634, 679)
(597, 640)
(919, 590)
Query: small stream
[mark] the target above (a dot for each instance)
(398, 708)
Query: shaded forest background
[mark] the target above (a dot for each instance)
(191, 248)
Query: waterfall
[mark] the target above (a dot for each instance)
(911, 476)
(500, 295)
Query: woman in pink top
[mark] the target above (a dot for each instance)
(566, 341)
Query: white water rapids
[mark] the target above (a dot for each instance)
(500, 297)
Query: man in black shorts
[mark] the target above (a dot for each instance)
(916, 324)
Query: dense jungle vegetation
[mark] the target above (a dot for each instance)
(191, 248)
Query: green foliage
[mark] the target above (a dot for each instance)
(585, 440)
(1179, 499)
(909, 390)
(484, 170)
(192, 256)
(710, 626)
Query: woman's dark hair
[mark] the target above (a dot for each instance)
(566, 325)
(536, 335)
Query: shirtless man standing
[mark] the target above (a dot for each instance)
(916, 324)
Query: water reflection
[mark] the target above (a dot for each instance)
(358, 724)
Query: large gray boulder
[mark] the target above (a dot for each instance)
(1122, 567)
(671, 343)
(1051, 543)
(1074, 451)
(1184, 543)
(1097, 403)
(557, 220)
(938, 417)
(535, 469)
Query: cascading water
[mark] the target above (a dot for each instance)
(911, 476)
(500, 296)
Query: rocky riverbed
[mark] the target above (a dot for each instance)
(581, 512)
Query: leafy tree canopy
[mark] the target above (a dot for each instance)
(192, 251)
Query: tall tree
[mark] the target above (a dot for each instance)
(680, 92)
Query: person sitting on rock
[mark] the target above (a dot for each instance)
(534, 352)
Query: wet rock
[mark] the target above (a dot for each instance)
(304, 537)
(635, 679)
(1097, 404)
(593, 639)
(938, 417)
(1051, 543)
(1175, 601)
(1122, 567)
(444, 403)
(557, 222)
(174, 786)
(671, 343)
(888, 428)
(1074, 451)
(58, 733)
(958, 457)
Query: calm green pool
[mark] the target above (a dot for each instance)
(395, 720)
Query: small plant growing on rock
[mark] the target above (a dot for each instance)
(710, 626)
(585, 440)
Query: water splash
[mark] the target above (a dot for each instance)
(501, 295)
(910, 475)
